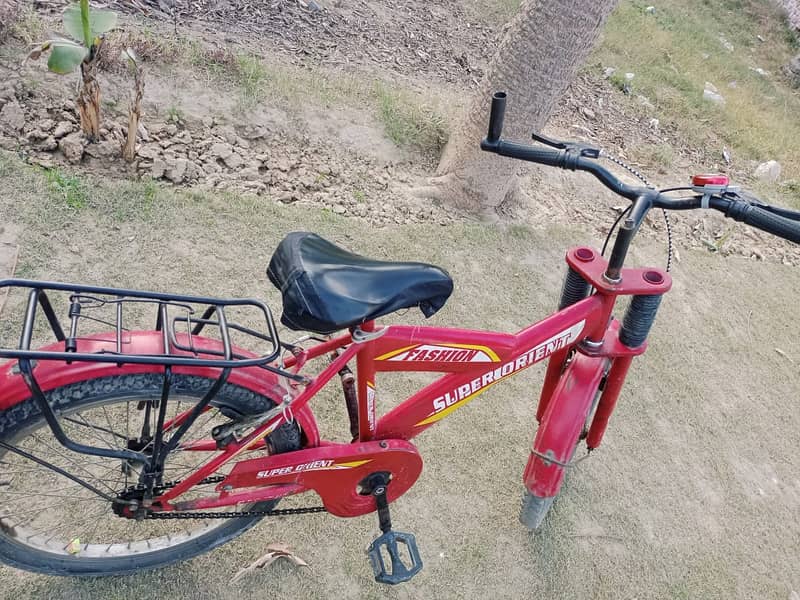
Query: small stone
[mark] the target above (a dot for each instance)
(760, 71)
(339, 209)
(158, 169)
(629, 76)
(71, 147)
(228, 134)
(193, 170)
(287, 198)
(255, 133)
(104, 149)
(48, 144)
(726, 44)
(654, 124)
(650, 10)
(171, 129)
(711, 94)
(588, 113)
(645, 101)
(608, 72)
(37, 135)
(69, 117)
(150, 150)
(46, 124)
(250, 173)
(233, 161)
(12, 118)
(178, 170)
(762, 39)
(768, 171)
(63, 128)
(208, 122)
(243, 143)
(221, 150)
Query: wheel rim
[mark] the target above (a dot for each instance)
(48, 513)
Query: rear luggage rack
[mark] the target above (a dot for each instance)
(180, 330)
(181, 346)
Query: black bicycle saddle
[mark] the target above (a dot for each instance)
(325, 288)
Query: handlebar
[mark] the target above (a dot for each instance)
(781, 222)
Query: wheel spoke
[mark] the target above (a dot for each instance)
(46, 511)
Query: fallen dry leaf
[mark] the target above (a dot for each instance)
(274, 552)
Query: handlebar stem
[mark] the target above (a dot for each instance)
(643, 203)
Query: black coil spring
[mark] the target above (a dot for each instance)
(639, 319)
(575, 288)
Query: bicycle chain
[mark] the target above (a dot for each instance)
(275, 512)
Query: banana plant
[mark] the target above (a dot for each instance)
(86, 28)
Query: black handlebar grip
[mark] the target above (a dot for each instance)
(496, 117)
(766, 221)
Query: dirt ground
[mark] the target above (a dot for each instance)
(695, 492)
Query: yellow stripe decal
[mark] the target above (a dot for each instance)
(489, 352)
(351, 465)
(395, 352)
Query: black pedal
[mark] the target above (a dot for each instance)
(401, 548)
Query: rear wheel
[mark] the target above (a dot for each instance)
(50, 524)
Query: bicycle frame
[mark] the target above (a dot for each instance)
(471, 362)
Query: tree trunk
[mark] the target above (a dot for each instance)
(89, 96)
(543, 48)
(129, 152)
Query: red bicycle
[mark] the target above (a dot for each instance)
(132, 449)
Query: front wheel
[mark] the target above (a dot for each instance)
(50, 524)
(534, 510)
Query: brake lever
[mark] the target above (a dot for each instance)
(543, 139)
(581, 149)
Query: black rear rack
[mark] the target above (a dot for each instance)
(179, 318)
(85, 297)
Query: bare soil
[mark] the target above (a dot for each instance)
(695, 493)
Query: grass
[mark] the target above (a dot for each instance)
(21, 23)
(407, 123)
(686, 47)
(67, 188)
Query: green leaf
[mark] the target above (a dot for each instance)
(100, 21)
(72, 22)
(65, 57)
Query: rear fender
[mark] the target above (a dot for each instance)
(51, 374)
(562, 423)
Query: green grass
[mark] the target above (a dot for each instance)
(684, 49)
(409, 124)
(66, 188)
(251, 76)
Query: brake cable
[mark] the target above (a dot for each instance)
(644, 180)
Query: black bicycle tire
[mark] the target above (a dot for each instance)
(231, 398)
